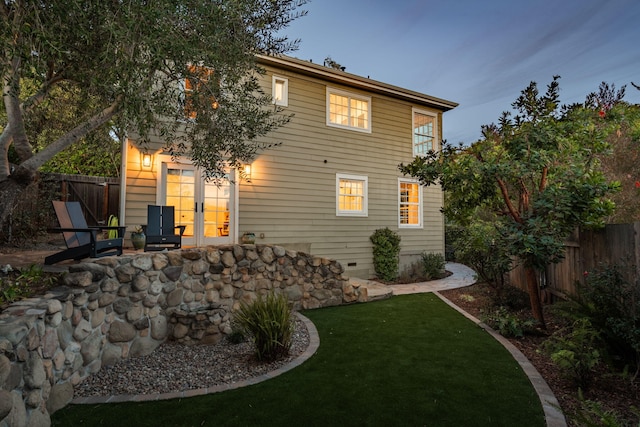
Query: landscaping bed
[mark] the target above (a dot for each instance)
(612, 390)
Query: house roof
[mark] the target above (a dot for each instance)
(365, 83)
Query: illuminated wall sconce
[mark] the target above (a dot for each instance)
(245, 172)
(146, 160)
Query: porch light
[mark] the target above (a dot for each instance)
(245, 172)
(146, 160)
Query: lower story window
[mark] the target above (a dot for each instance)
(351, 195)
(409, 204)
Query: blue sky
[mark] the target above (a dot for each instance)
(480, 54)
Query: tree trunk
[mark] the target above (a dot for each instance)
(11, 189)
(534, 296)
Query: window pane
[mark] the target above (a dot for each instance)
(423, 137)
(410, 201)
(352, 195)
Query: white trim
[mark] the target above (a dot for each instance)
(284, 102)
(365, 196)
(420, 203)
(436, 145)
(349, 95)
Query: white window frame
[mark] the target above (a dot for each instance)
(365, 196)
(420, 203)
(284, 102)
(350, 96)
(435, 145)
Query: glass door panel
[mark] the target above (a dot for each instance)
(204, 208)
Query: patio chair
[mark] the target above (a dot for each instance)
(161, 229)
(82, 241)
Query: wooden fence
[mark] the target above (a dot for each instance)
(98, 195)
(585, 250)
(33, 213)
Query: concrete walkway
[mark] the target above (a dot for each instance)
(461, 276)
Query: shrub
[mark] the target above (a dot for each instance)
(508, 324)
(386, 252)
(268, 321)
(480, 247)
(592, 414)
(611, 302)
(433, 265)
(575, 351)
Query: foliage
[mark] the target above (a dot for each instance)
(479, 246)
(433, 265)
(593, 414)
(268, 320)
(538, 173)
(17, 284)
(610, 300)
(576, 351)
(508, 324)
(126, 62)
(97, 154)
(621, 164)
(386, 252)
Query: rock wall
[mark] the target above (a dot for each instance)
(119, 307)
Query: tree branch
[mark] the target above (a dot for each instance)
(72, 136)
(505, 195)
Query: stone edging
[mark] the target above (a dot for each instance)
(314, 343)
(552, 414)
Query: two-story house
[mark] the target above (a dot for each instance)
(332, 182)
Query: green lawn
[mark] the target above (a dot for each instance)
(407, 361)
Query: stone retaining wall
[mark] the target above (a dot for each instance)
(119, 307)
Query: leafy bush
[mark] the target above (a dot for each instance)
(433, 265)
(508, 324)
(611, 302)
(386, 252)
(592, 414)
(576, 351)
(268, 321)
(480, 247)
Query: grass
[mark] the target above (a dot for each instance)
(410, 360)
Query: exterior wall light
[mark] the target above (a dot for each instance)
(245, 172)
(146, 160)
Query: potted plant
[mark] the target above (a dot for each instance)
(138, 239)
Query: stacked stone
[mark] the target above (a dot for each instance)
(119, 307)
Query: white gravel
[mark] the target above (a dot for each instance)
(175, 367)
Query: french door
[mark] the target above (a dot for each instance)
(205, 209)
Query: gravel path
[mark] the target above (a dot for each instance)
(174, 367)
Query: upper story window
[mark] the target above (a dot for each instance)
(196, 89)
(424, 132)
(409, 204)
(351, 195)
(280, 89)
(349, 111)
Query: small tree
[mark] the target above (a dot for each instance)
(536, 171)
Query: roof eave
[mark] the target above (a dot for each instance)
(342, 77)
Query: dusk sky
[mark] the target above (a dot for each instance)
(480, 54)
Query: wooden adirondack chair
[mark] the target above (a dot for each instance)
(161, 229)
(81, 240)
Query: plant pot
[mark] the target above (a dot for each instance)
(138, 240)
(249, 238)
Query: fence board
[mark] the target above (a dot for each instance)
(585, 251)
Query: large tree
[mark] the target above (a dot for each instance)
(539, 173)
(130, 59)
